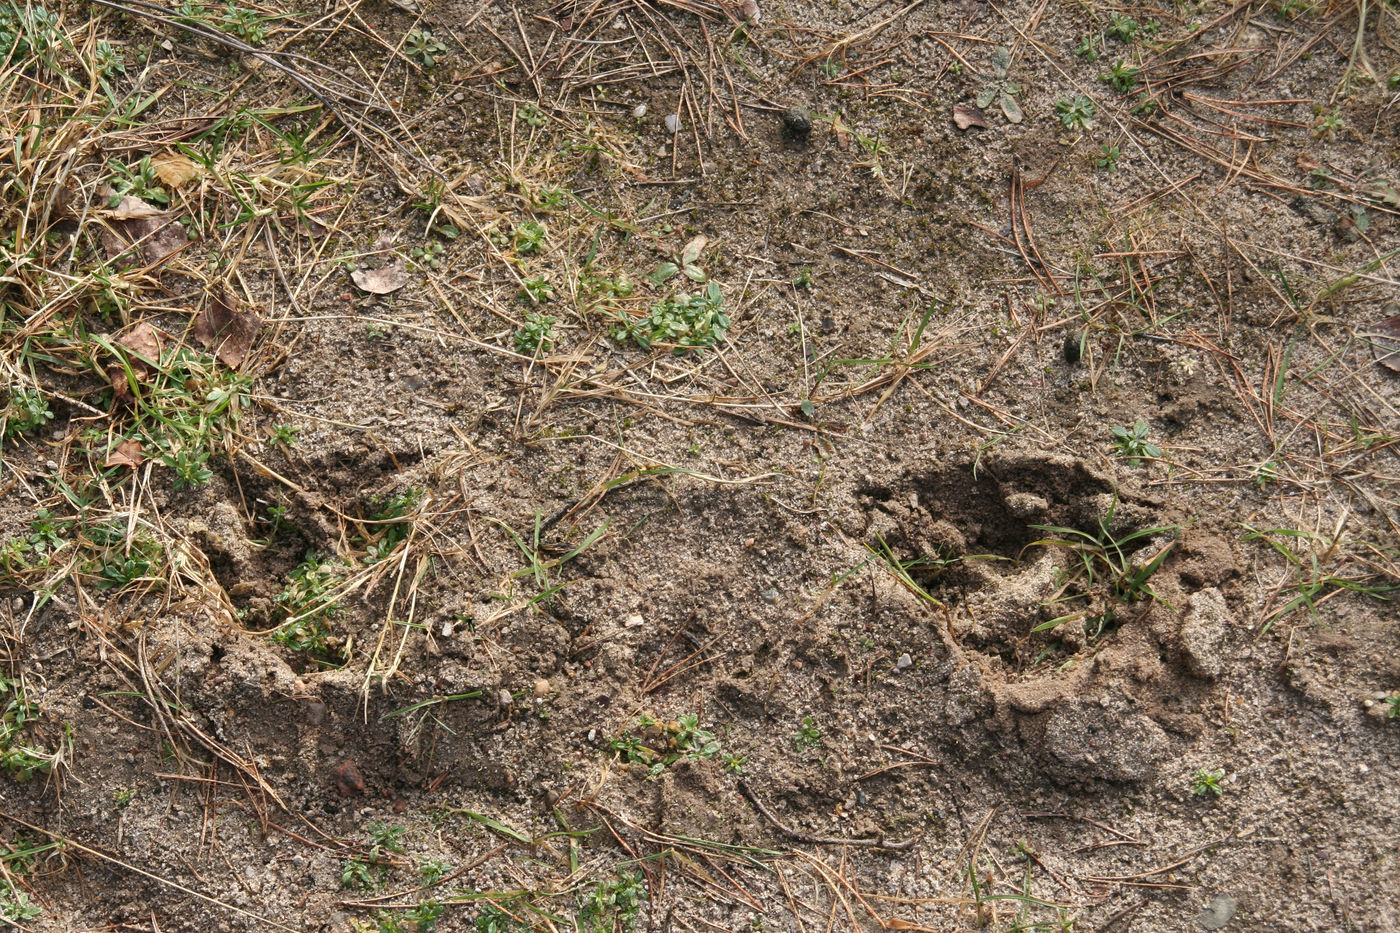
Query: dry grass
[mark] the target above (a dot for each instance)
(260, 186)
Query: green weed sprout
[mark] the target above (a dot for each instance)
(1075, 113)
(1131, 444)
(682, 322)
(424, 47)
(535, 334)
(1205, 782)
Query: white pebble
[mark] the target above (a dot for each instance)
(673, 123)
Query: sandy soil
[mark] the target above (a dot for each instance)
(838, 605)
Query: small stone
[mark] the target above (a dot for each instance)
(797, 124)
(315, 712)
(1220, 911)
(639, 111)
(348, 779)
(447, 629)
(633, 620)
(673, 123)
(770, 596)
(542, 688)
(503, 698)
(904, 662)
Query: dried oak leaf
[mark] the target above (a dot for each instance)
(143, 344)
(966, 117)
(127, 453)
(389, 277)
(174, 169)
(1385, 341)
(227, 331)
(144, 340)
(136, 223)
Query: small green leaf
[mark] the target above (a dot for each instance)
(986, 96)
(663, 273)
(1001, 61)
(1011, 108)
(808, 409)
(695, 273)
(691, 253)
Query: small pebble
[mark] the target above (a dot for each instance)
(348, 779)
(639, 111)
(770, 596)
(673, 123)
(542, 688)
(315, 712)
(903, 662)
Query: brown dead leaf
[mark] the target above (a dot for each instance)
(175, 169)
(966, 117)
(127, 453)
(143, 342)
(387, 278)
(1385, 342)
(843, 137)
(134, 222)
(227, 331)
